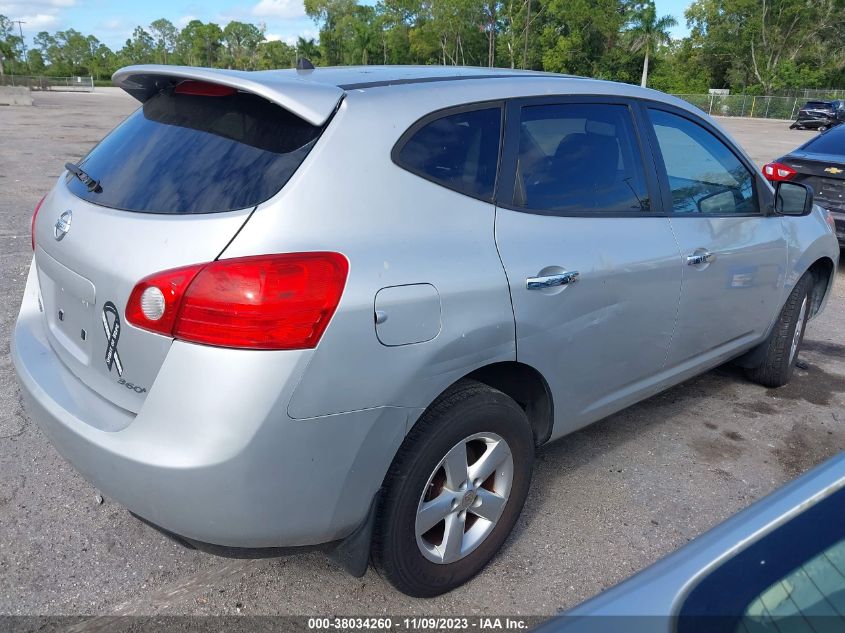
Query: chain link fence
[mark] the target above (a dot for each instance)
(758, 107)
(813, 94)
(65, 84)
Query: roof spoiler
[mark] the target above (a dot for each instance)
(309, 100)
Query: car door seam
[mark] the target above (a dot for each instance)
(507, 281)
(680, 292)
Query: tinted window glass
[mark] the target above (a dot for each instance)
(197, 154)
(460, 151)
(792, 579)
(579, 158)
(704, 175)
(832, 142)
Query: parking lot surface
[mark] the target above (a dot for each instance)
(604, 502)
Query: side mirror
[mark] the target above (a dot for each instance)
(792, 198)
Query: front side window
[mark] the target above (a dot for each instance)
(459, 151)
(705, 176)
(579, 158)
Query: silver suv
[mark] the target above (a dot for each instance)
(342, 307)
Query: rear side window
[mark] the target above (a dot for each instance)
(182, 153)
(579, 158)
(459, 151)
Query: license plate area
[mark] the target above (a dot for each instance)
(69, 300)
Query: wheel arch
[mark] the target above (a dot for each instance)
(823, 271)
(525, 385)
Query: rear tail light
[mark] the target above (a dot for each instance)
(778, 171)
(264, 302)
(32, 223)
(831, 221)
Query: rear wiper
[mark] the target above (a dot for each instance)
(76, 170)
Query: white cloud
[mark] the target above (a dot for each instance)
(39, 22)
(184, 20)
(279, 8)
(38, 15)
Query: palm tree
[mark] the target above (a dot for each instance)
(648, 33)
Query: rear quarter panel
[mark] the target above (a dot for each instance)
(396, 229)
(808, 239)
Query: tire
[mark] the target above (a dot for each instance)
(785, 340)
(427, 468)
(822, 128)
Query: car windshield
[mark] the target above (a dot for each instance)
(792, 579)
(184, 153)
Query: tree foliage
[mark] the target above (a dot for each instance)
(757, 46)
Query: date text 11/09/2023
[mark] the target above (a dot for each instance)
(481, 623)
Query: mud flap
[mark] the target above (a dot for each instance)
(353, 552)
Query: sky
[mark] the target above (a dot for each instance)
(112, 22)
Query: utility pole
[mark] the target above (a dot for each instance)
(20, 24)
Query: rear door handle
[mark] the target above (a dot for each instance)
(551, 281)
(697, 259)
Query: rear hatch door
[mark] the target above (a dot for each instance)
(177, 180)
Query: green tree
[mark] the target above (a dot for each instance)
(139, 49)
(35, 62)
(200, 44)
(242, 40)
(518, 44)
(309, 49)
(11, 47)
(165, 37)
(276, 54)
(757, 44)
(577, 35)
(648, 33)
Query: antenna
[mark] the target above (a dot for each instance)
(303, 63)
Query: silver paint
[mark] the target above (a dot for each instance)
(219, 447)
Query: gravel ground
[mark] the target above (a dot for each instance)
(604, 503)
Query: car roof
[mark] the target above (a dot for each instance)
(358, 77)
(313, 94)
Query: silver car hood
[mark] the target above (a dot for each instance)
(292, 90)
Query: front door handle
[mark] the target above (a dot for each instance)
(696, 259)
(551, 281)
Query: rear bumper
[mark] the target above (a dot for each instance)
(212, 454)
(814, 122)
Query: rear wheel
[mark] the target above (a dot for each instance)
(786, 337)
(822, 128)
(454, 490)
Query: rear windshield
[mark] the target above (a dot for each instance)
(818, 105)
(182, 153)
(831, 142)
